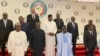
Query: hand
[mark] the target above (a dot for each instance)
(10, 54)
(71, 46)
(87, 49)
(29, 49)
(0, 50)
(59, 30)
(44, 50)
(51, 34)
(78, 37)
(25, 52)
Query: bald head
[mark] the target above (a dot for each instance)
(64, 28)
(90, 22)
(73, 19)
(32, 11)
(37, 25)
(17, 26)
(5, 16)
(21, 19)
(58, 15)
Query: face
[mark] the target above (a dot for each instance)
(37, 25)
(50, 18)
(21, 19)
(58, 15)
(18, 27)
(73, 19)
(5, 16)
(64, 30)
(91, 28)
(32, 11)
(90, 22)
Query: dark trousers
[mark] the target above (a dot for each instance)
(3, 49)
(37, 52)
(74, 45)
(90, 52)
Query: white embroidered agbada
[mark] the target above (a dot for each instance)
(64, 44)
(50, 26)
(17, 43)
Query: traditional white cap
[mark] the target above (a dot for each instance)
(18, 23)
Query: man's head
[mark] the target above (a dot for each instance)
(18, 27)
(21, 19)
(5, 16)
(32, 11)
(58, 15)
(64, 29)
(91, 27)
(73, 19)
(50, 17)
(37, 25)
(90, 22)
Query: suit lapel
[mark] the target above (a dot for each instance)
(34, 17)
(7, 23)
(3, 23)
(71, 25)
(91, 34)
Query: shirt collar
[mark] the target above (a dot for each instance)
(4, 20)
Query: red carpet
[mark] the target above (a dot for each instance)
(80, 51)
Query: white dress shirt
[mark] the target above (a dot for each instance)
(5, 22)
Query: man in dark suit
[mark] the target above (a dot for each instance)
(24, 26)
(6, 26)
(90, 22)
(72, 27)
(90, 40)
(32, 19)
(59, 22)
(37, 40)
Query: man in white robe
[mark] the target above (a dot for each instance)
(17, 42)
(50, 30)
(64, 43)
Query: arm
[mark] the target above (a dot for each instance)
(28, 18)
(44, 27)
(30, 40)
(84, 39)
(85, 28)
(38, 18)
(55, 28)
(59, 46)
(11, 26)
(44, 38)
(95, 30)
(70, 39)
(68, 28)
(25, 42)
(77, 32)
(62, 22)
(9, 45)
(28, 31)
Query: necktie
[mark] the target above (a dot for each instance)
(91, 33)
(33, 16)
(73, 25)
(5, 22)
